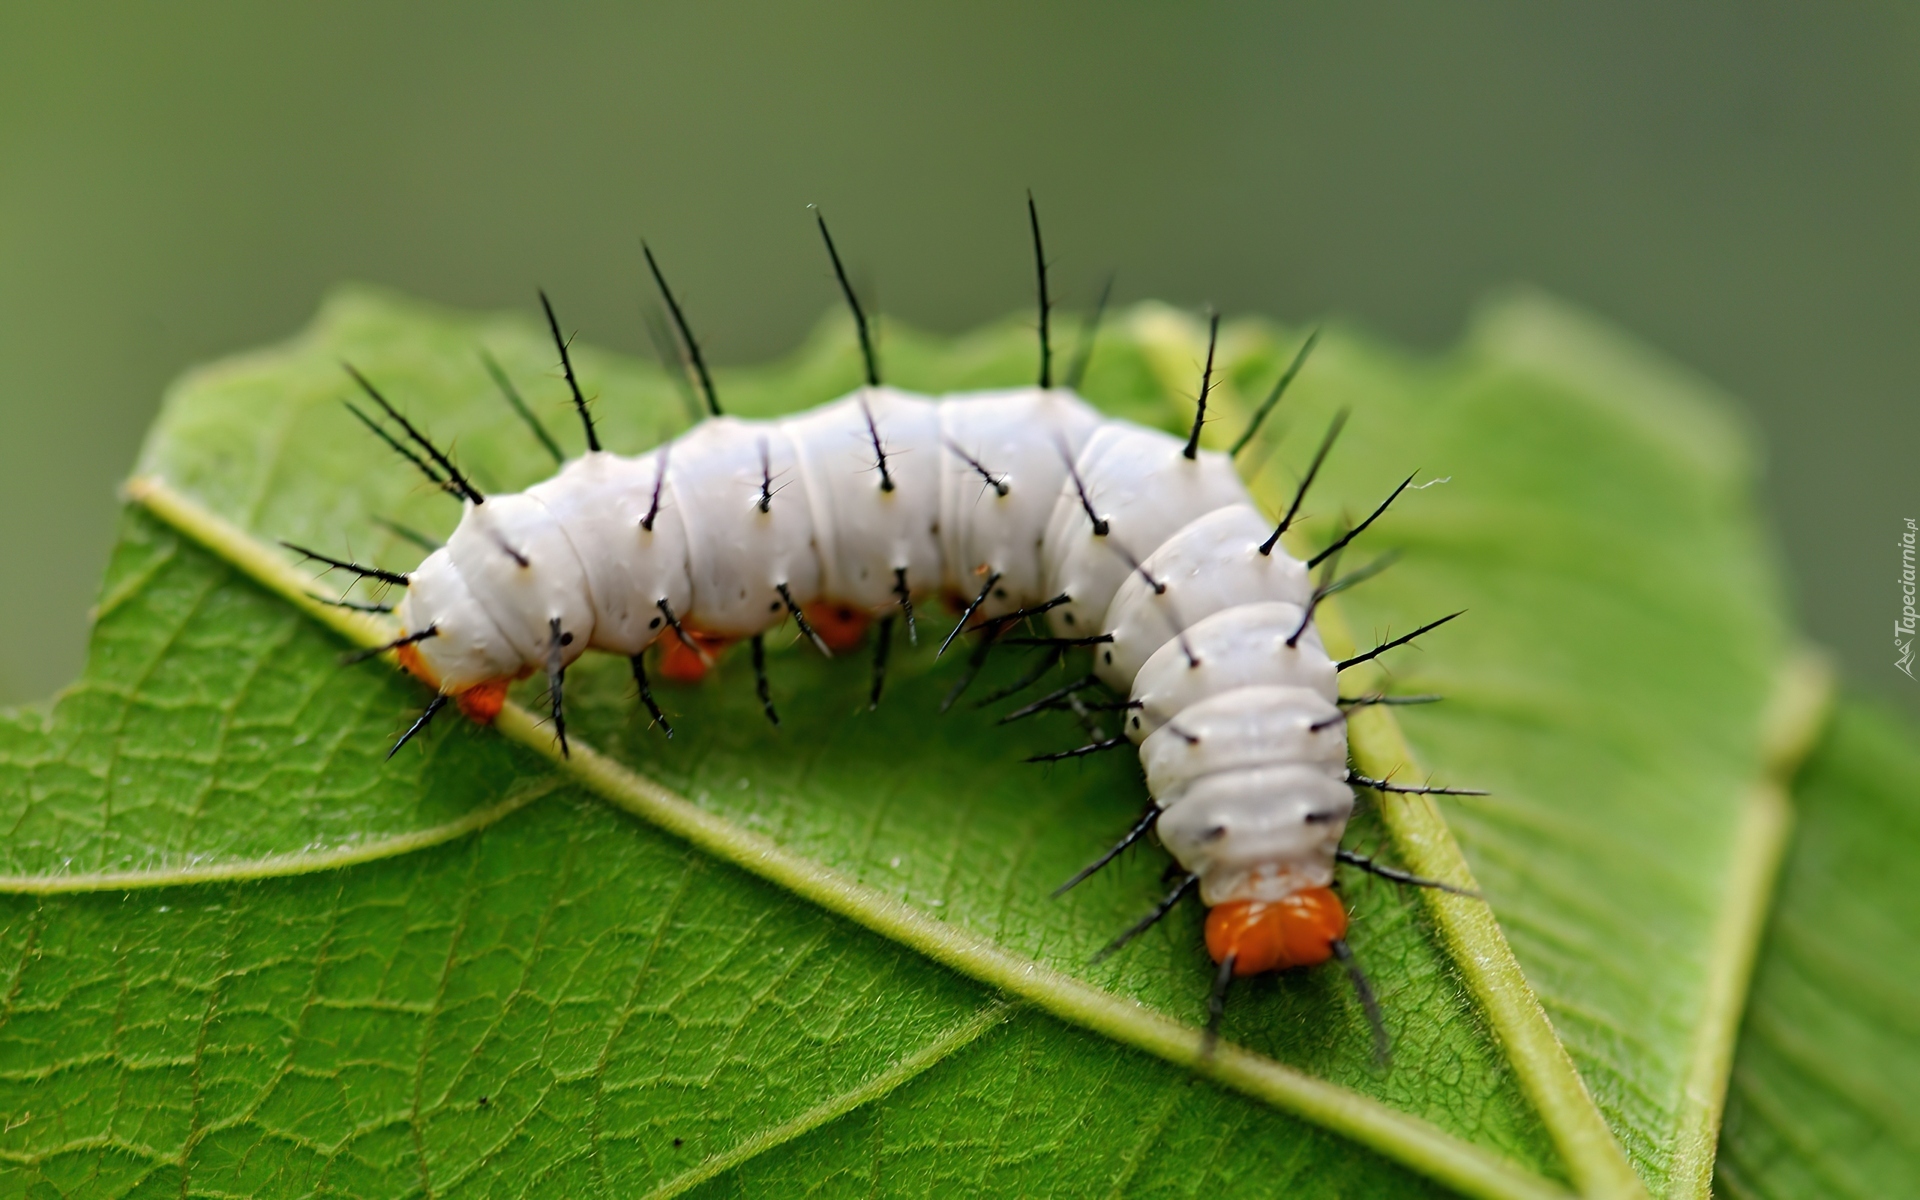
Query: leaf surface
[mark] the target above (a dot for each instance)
(1823, 1100)
(608, 988)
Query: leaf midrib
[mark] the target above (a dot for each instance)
(1396, 1135)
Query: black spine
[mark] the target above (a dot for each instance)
(519, 406)
(1147, 922)
(426, 718)
(1273, 397)
(459, 482)
(573, 383)
(1192, 450)
(687, 339)
(1083, 353)
(407, 533)
(1300, 494)
(1383, 647)
(972, 608)
(1341, 542)
(1139, 829)
(997, 482)
(867, 352)
(356, 656)
(344, 565)
(879, 450)
(1046, 303)
(1395, 875)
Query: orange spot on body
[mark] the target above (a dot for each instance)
(483, 701)
(840, 626)
(414, 665)
(681, 663)
(1272, 935)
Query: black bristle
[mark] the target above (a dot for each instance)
(433, 710)
(519, 406)
(1083, 354)
(455, 481)
(1341, 542)
(1153, 918)
(344, 565)
(1300, 494)
(1383, 647)
(1192, 449)
(1046, 303)
(867, 353)
(1138, 830)
(375, 651)
(1273, 397)
(687, 340)
(573, 383)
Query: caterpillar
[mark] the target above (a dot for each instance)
(1020, 505)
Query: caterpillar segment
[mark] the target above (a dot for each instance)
(1019, 504)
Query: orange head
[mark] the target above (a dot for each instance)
(1271, 935)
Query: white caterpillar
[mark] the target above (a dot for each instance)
(1023, 502)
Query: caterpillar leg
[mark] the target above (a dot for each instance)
(688, 657)
(689, 660)
(556, 681)
(639, 662)
(1217, 1000)
(905, 596)
(760, 685)
(800, 619)
(840, 627)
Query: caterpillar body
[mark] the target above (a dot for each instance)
(1015, 504)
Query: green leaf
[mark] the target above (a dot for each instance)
(795, 963)
(1823, 1101)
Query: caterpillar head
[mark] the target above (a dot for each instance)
(1271, 935)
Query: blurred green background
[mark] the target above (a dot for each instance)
(1738, 185)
